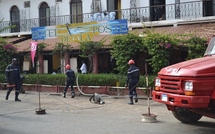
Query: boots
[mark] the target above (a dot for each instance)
(16, 96)
(135, 99)
(73, 95)
(131, 101)
(64, 94)
(7, 95)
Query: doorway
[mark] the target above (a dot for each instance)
(157, 10)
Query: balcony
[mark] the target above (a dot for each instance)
(164, 13)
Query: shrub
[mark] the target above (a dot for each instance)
(83, 79)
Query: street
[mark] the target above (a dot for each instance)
(79, 116)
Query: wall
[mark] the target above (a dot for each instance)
(61, 8)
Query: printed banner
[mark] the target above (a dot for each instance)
(33, 50)
(80, 31)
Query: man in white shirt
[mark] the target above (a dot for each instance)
(83, 68)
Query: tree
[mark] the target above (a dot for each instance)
(125, 47)
(61, 49)
(7, 50)
(89, 48)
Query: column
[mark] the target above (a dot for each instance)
(67, 58)
(41, 65)
(95, 64)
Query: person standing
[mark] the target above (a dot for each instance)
(12, 75)
(133, 76)
(70, 79)
(83, 68)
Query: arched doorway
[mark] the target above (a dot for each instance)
(157, 10)
(15, 19)
(76, 11)
(44, 14)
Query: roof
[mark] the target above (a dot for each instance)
(25, 45)
(205, 30)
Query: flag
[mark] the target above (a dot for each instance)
(33, 50)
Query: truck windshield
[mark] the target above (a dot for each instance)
(211, 48)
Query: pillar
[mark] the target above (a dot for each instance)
(41, 65)
(95, 64)
(67, 58)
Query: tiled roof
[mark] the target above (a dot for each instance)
(25, 45)
(205, 30)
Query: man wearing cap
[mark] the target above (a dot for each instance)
(12, 75)
(133, 76)
(70, 79)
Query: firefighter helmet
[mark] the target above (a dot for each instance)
(67, 66)
(131, 62)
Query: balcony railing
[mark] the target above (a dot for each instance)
(186, 10)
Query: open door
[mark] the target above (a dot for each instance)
(157, 10)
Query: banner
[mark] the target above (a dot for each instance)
(80, 31)
(33, 50)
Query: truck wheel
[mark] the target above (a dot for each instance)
(186, 116)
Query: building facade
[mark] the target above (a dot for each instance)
(27, 14)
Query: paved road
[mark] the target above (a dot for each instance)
(79, 116)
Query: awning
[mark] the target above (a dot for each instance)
(51, 42)
(14, 40)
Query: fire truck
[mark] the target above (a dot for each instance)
(188, 88)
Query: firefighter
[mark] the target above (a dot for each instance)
(133, 76)
(70, 79)
(12, 75)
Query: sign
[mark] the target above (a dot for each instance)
(80, 31)
(33, 50)
(26, 66)
(42, 33)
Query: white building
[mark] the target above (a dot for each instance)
(27, 14)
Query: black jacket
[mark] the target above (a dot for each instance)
(70, 75)
(133, 74)
(12, 74)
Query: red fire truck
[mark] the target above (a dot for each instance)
(188, 88)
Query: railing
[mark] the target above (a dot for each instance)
(186, 10)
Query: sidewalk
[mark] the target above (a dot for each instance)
(79, 116)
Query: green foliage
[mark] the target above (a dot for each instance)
(5, 28)
(83, 79)
(41, 46)
(7, 51)
(61, 48)
(159, 47)
(125, 47)
(89, 48)
(196, 47)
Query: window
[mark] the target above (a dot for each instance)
(114, 7)
(44, 14)
(27, 4)
(208, 6)
(76, 11)
(58, 0)
(157, 10)
(96, 6)
(15, 19)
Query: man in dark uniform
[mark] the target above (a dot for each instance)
(70, 79)
(12, 75)
(133, 76)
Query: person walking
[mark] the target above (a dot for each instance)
(133, 76)
(70, 79)
(12, 75)
(83, 68)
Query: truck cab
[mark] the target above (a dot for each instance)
(188, 88)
